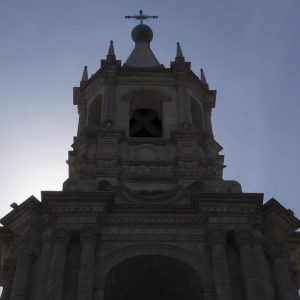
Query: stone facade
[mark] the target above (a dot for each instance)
(145, 212)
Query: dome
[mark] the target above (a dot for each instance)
(142, 33)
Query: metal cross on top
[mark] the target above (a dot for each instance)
(141, 17)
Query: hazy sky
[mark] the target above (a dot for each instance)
(248, 49)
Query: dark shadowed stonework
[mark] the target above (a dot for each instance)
(145, 212)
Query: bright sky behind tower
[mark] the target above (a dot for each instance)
(248, 49)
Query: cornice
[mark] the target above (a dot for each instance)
(23, 216)
(279, 217)
(182, 205)
(159, 77)
(49, 198)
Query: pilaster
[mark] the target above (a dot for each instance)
(55, 282)
(82, 111)
(87, 265)
(110, 69)
(244, 241)
(263, 268)
(217, 240)
(278, 252)
(25, 255)
(44, 263)
(207, 118)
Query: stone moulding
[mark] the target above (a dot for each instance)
(154, 219)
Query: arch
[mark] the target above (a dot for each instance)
(196, 114)
(94, 113)
(152, 277)
(146, 112)
(108, 262)
(146, 98)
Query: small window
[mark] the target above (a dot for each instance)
(145, 123)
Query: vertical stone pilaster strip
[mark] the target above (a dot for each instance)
(82, 117)
(87, 264)
(263, 268)
(109, 98)
(183, 104)
(245, 243)
(279, 255)
(55, 281)
(217, 242)
(208, 125)
(21, 279)
(43, 267)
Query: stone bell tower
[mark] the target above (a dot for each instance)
(145, 127)
(145, 212)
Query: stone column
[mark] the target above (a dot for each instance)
(43, 268)
(55, 282)
(220, 266)
(280, 260)
(8, 273)
(87, 265)
(22, 273)
(245, 243)
(263, 268)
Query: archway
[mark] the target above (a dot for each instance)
(152, 277)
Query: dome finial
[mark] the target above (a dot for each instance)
(141, 33)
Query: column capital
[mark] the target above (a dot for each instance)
(61, 235)
(258, 238)
(277, 249)
(88, 235)
(244, 237)
(208, 288)
(216, 237)
(46, 236)
(27, 246)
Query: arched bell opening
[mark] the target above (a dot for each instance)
(152, 277)
(145, 123)
(146, 114)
